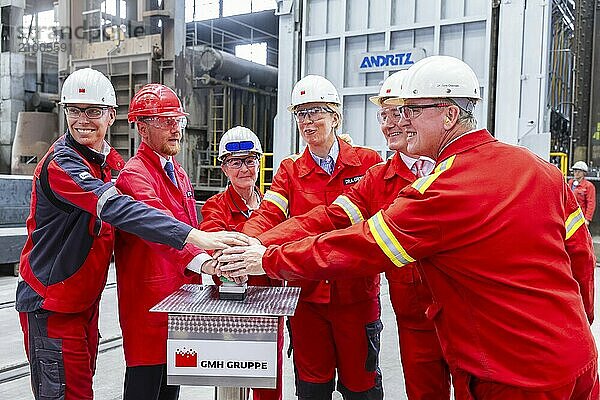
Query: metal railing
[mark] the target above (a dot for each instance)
(262, 184)
(561, 161)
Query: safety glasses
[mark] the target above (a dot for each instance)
(414, 111)
(90, 112)
(165, 122)
(243, 145)
(237, 163)
(389, 115)
(312, 114)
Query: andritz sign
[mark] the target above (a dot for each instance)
(389, 60)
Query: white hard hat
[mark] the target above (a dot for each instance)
(313, 89)
(390, 88)
(88, 86)
(440, 77)
(580, 165)
(239, 141)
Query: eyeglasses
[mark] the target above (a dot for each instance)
(165, 122)
(239, 146)
(389, 115)
(414, 111)
(237, 163)
(312, 114)
(90, 112)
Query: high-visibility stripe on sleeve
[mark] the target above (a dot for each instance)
(108, 193)
(387, 241)
(349, 208)
(422, 184)
(575, 220)
(279, 200)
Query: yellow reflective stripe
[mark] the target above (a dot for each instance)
(279, 200)
(349, 208)
(573, 223)
(422, 184)
(387, 241)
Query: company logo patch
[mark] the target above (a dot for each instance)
(186, 358)
(386, 60)
(189, 194)
(351, 181)
(81, 90)
(85, 175)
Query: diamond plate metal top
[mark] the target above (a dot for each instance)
(221, 324)
(204, 299)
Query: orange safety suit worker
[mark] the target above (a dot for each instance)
(501, 241)
(227, 211)
(426, 373)
(585, 192)
(336, 324)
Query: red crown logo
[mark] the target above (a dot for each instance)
(186, 358)
(303, 92)
(81, 90)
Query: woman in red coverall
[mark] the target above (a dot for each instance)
(239, 152)
(336, 327)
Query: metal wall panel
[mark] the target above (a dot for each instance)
(359, 113)
(338, 31)
(425, 11)
(323, 58)
(356, 17)
(378, 14)
(403, 12)
(475, 8)
(453, 9)
(316, 17)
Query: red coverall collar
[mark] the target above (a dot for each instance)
(235, 202)
(467, 142)
(347, 156)
(396, 167)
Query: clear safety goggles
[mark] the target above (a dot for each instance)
(165, 122)
(312, 114)
(414, 111)
(392, 115)
(389, 115)
(237, 163)
(90, 112)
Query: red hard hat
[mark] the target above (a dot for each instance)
(155, 100)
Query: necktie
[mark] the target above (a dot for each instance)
(170, 170)
(418, 168)
(327, 165)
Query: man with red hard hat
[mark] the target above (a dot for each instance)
(148, 272)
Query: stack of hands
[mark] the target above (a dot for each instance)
(236, 256)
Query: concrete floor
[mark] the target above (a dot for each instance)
(108, 382)
(110, 369)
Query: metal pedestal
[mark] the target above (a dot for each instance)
(227, 344)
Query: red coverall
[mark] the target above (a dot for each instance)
(336, 322)
(505, 255)
(227, 211)
(426, 373)
(64, 264)
(585, 192)
(148, 272)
